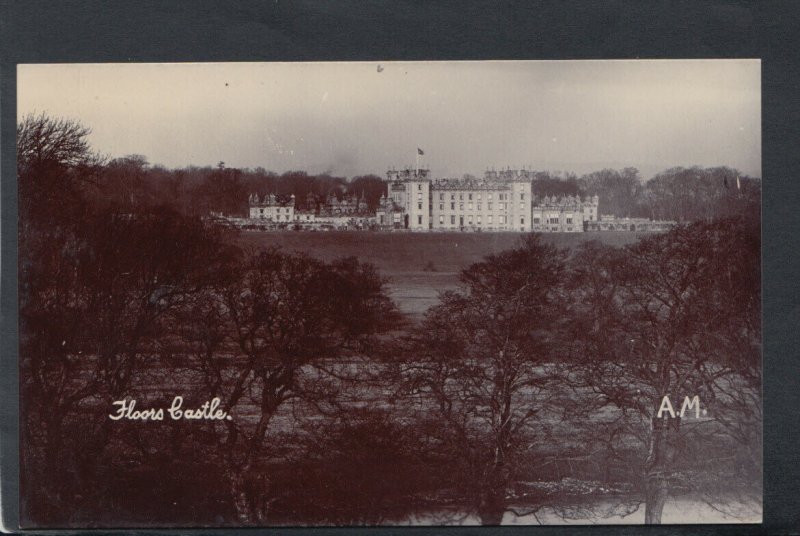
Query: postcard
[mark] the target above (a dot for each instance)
(390, 293)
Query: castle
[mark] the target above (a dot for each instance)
(499, 201)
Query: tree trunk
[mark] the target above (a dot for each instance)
(657, 467)
(492, 507)
(493, 499)
(250, 493)
(656, 495)
(239, 495)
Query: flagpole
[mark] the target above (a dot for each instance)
(416, 171)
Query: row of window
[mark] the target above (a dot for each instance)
(478, 221)
(470, 206)
(556, 220)
(277, 218)
(278, 209)
(500, 197)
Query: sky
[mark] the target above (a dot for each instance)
(361, 118)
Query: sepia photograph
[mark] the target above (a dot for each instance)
(427, 293)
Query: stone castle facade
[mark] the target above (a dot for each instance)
(271, 208)
(567, 214)
(498, 201)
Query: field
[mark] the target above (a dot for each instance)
(418, 265)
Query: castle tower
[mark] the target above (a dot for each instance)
(418, 207)
(521, 207)
(410, 189)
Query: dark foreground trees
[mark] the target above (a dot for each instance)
(264, 341)
(483, 371)
(540, 365)
(126, 301)
(669, 331)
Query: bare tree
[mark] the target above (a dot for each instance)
(91, 308)
(263, 341)
(671, 317)
(54, 162)
(482, 370)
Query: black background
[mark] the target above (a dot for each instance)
(201, 30)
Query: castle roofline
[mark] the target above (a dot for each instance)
(469, 184)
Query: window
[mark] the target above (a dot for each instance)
(419, 220)
(535, 220)
(469, 220)
(522, 206)
(452, 206)
(489, 220)
(262, 211)
(460, 197)
(479, 197)
(441, 206)
(479, 220)
(521, 197)
(419, 205)
(452, 197)
(461, 206)
(441, 220)
(419, 197)
(479, 206)
(470, 205)
(490, 205)
(441, 197)
(569, 221)
(522, 220)
(490, 197)
(452, 220)
(470, 197)
(419, 187)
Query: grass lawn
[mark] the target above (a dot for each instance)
(418, 265)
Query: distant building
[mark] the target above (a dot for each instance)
(567, 214)
(612, 223)
(390, 214)
(305, 216)
(500, 201)
(349, 205)
(279, 209)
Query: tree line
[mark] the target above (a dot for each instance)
(131, 183)
(538, 383)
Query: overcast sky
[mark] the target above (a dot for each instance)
(356, 118)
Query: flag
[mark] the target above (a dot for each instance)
(420, 151)
(738, 184)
